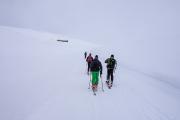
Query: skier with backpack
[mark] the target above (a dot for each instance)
(96, 70)
(111, 66)
(85, 55)
(89, 59)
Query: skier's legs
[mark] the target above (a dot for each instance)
(111, 74)
(95, 79)
(85, 56)
(108, 75)
(88, 67)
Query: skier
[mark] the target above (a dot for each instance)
(96, 70)
(89, 59)
(111, 66)
(85, 55)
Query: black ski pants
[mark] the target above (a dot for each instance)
(110, 75)
(89, 64)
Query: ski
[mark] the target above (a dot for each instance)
(94, 93)
(108, 85)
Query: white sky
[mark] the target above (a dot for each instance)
(95, 20)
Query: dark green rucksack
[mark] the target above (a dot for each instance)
(110, 63)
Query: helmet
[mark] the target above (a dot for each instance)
(112, 56)
(96, 57)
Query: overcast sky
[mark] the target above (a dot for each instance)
(95, 20)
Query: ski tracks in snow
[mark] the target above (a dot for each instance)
(131, 98)
(148, 99)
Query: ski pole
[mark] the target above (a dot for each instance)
(102, 83)
(89, 81)
(115, 67)
(86, 68)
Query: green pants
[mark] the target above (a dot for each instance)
(95, 78)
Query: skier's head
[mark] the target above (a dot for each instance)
(96, 57)
(89, 54)
(112, 56)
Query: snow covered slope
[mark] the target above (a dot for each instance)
(42, 79)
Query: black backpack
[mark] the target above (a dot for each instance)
(111, 63)
(95, 65)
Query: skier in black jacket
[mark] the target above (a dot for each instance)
(96, 69)
(111, 66)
